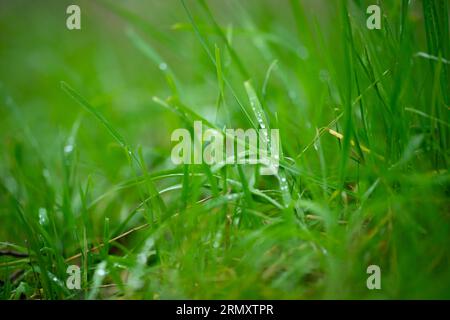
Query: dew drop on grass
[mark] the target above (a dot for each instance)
(163, 66)
(303, 53)
(43, 217)
(324, 76)
(68, 148)
(292, 94)
(216, 243)
(11, 184)
(316, 145)
(142, 258)
(101, 272)
(46, 173)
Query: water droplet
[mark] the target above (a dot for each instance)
(142, 258)
(163, 66)
(68, 148)
(43, 217)
(303, 53)
(292, 94)
(324, 76)
(316, 146)
(216, 243)
(46, 173)
(101, 272)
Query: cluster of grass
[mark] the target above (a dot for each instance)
(85, 170)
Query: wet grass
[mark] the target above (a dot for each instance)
(85, 170)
